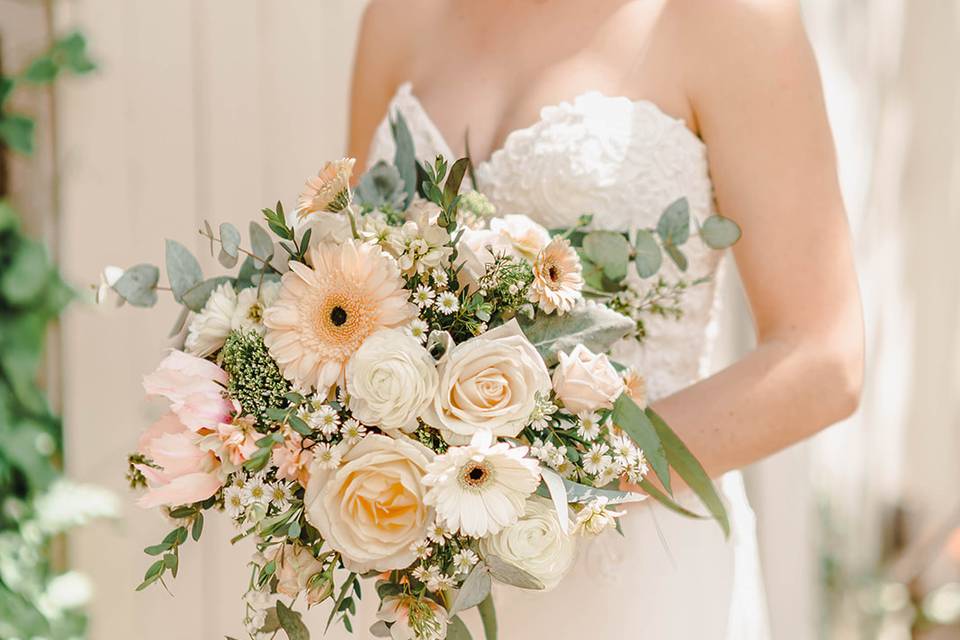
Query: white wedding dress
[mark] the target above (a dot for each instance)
(623, 161)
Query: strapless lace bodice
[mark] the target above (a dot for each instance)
(622, 161)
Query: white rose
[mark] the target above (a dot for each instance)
(536, 543)
(585, 381)
(391, 379)
(488, 383)
(524, 236)
(379, 475)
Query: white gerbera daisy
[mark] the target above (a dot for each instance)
(210, 328)
(327, 456)
(597, 458)
(464, 560)
(480, 488)
(423, 296)
(233, 501)
(447, 303)
(419, 330)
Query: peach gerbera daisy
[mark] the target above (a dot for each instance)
(328, 191)
(557, 277)
(323, 314)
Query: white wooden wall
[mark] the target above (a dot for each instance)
(202, 109)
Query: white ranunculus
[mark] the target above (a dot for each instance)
(251, 303)
(380, 475)
(209, 329)
(536, 543)
(488, 383)
(391, 379)
(524, 236)
(585, 381)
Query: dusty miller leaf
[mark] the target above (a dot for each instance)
(593, 325)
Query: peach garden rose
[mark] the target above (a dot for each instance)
(382, 476)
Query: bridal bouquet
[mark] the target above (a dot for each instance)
(396, 383)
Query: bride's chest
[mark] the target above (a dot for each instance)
(622, 161)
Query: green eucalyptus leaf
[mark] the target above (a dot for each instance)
(631, 418)
(689, 468)
(405, 158)
(475, 589)
(719, 232)
(677, 256)
(292, 622)
(6, 88)
(17, 131)
(72, 50)
(457, 630)
(138, 285)
(380, 187)
(230, 239)
(488, 616)
(595, 326)
(260, 242)
(648, 257)
(674, 224)
(195, 297)
(379, 629)
(610, 250)
(183, 270)
(510, 574)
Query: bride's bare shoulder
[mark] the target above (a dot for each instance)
(741, 25)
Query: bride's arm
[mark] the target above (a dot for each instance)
(760, 110)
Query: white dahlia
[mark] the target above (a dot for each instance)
(323, 314)
(209, 329)
(480, 488)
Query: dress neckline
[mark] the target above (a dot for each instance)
(406, 91)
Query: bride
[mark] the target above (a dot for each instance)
(628, 105)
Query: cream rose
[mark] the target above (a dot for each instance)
(488, 383)
(585, 381)
(536, 543)
(391, 380)
(379, 475)
(297, 571)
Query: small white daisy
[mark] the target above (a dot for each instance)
(421, 573)
(326, 455)
(433, 576)
(438, 534)
(589, 427)
(445, 582)
(280, 495)
(352, 431)
(326, 420)
(440, 277)
(422, 548)
(447, 303)
(239, 480)
(233, 501)
(464, 560)
(607, 475)
(566, 468)
(419, 329)
(596, 459)
(255, 492)
(423, 296)
(624, 449)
